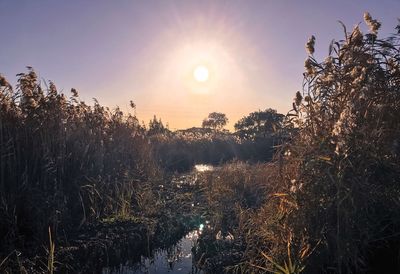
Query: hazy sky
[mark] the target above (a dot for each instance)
(146, 51)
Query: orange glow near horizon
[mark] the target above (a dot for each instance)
(147, 51)
(194, 79)
(190, 78)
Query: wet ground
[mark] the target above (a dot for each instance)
(144, 244)
(175, 259)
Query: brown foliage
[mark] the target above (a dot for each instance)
(63, 162)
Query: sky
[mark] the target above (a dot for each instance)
(146, 51)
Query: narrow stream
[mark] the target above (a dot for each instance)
(177, 258)
(174, 259)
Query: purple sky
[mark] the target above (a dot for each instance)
(118, 51)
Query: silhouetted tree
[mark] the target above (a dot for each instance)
(156, 126)
(259, 123)
(215, 120)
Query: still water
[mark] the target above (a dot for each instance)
(175, 259)
(203, 168)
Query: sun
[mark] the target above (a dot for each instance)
(201, 73)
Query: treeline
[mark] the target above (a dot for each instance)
(329, 203)
(255, 139)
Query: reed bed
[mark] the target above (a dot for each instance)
(65, 163)
(332, 193)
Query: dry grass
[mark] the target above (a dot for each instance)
(65, 163)
(331, 199)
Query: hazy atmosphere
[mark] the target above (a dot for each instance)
(146, 51)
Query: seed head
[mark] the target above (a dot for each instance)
(52, 88)
(309, 67)
(74, 92)
(3, 81)
(310, 45)
(373, 24)
(32, 103)
(298, 98)
(356, 36)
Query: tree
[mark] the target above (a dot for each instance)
(215, 120)
(259, 123)
(156, 127)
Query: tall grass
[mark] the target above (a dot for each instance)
(349, 127)
(51, 251)
(234, 188)
(332, 202)
(64, 163)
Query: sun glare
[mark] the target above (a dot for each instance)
(200, 68)
(201, 74)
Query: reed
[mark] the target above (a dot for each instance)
(65, 163)
(51, 250)
(331, 195)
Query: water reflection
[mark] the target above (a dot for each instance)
(175, 259)
(203, 168)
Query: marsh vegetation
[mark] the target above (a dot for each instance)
(87, 189)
